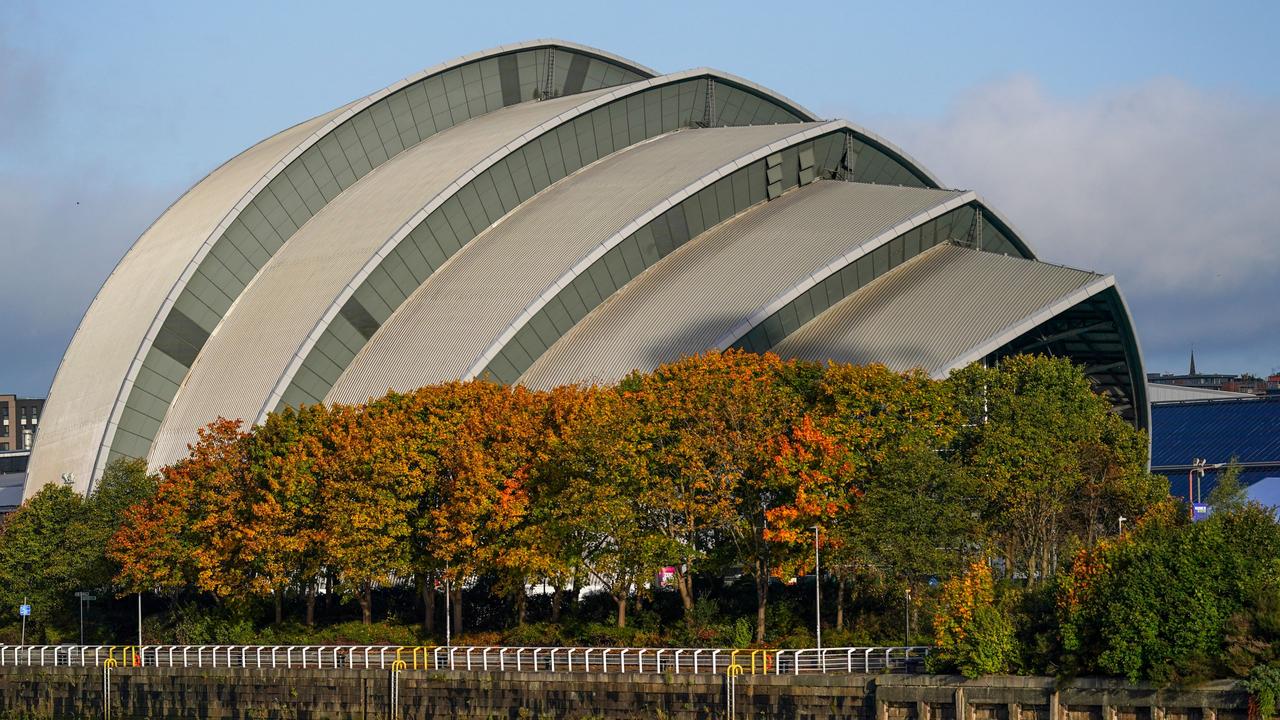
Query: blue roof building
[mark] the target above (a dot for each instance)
(1218, 431)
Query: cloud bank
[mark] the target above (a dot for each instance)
(1173, 189)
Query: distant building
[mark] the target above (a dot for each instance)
(1244, 383)
(11, 486)
(19, 420)
(1246, 429)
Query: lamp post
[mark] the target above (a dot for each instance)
(85, 598)
(817, 591)
(907, 633)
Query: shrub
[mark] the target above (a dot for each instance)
(972, 636)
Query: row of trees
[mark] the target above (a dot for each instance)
(717, 464)
(720, 461)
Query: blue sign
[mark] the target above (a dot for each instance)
(1199, 511)
(24, 610)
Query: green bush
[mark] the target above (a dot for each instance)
(1264, 685)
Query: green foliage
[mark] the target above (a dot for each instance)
(973, 636)
(40, 556)
(1158, 604)
(1228, 495)
(1263, 684)
(1049, 464)
(742, 633)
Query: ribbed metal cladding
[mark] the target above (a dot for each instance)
(100, 353)
(691, 298)
(277, 311)
(489, 283)
(934, 310)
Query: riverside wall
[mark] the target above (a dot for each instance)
(235, 693)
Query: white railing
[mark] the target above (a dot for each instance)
(474, 658)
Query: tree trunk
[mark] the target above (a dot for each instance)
(429, 605)
(311, 603)
(329, 587)
(456, 592)
(557, 598)
(279, 598)
(762, 597)
(522, 604)
(684, 582)
(840, 604)
(365, 596)
(622, 609)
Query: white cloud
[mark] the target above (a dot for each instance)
(1173, 189)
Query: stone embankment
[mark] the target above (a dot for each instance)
(149, 692)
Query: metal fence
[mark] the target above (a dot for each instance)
(529, 659)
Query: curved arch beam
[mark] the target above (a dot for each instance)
(188, 335)
(777, 304)
(119, 318)
(952, 306)
(288, 375)
(581, 267)
(1012, 332)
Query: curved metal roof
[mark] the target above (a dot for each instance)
(287, 378)
(474, 299)
(87, 384)
(942, 310)
(321, 259)
(98, 378)
(443, 227)
(696, 297)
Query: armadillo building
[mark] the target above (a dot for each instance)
(546, 213)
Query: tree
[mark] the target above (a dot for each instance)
(912, 520)
(971, 635)
(1228, 495)
(1051, 464)
(40, 559)
(282, 535)
(585, 511)
(367, 511)
(712, 423)
(1157, 605)
(172, 541)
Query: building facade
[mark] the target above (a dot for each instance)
(19, 422)
(546, 213)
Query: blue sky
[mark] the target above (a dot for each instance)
(1131, 138)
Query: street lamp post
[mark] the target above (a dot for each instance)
(85, 598)
(817, 590)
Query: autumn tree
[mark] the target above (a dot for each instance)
(366, 511)
(711, 423)
(173, 541)
(585, 513)
(893, 429)
(972, 636)
(283, 534)
(464, 452)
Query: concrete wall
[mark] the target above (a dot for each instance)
(34, 692)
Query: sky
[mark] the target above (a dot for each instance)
(1139, 139)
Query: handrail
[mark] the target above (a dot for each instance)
(847, 660)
